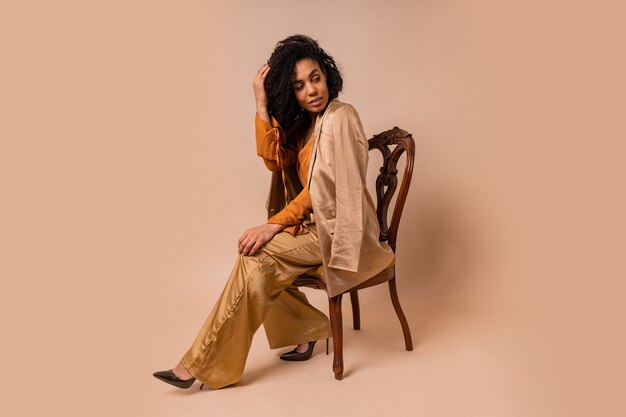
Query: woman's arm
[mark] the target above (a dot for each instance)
(271, 145)
(258, 85)
(270, 138)
(295, 212)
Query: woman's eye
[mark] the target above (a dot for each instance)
(315, 79)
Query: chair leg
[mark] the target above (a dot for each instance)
(408, 341)
(356, 311)
(336, 326)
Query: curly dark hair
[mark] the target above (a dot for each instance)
(282, 103)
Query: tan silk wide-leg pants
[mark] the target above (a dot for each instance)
(259, 290)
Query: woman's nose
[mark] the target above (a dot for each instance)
(312, 90)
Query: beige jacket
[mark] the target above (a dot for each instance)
(344, 211)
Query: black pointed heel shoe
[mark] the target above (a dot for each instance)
(294, 355)
(170, 377)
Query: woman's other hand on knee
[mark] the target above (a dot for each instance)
(255, 237)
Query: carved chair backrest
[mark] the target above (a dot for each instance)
(387, 180)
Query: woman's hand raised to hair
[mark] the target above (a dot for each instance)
(258, 85)
(255, 237)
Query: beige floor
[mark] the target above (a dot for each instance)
(456, 369)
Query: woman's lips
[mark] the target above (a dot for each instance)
(315, 102)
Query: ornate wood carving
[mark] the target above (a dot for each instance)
(387, 180)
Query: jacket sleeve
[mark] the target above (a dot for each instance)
(350, 152)
(271, 145)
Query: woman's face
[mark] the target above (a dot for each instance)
(309, 86)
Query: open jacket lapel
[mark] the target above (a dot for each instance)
(318, 134)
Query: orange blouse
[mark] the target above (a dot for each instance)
(270, 143)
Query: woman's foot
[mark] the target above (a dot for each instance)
(302, 352)
(181, 372)
(302, 348)
(177, 376)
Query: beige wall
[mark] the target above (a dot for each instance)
(128, 172)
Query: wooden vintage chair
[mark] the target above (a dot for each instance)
(388, 179)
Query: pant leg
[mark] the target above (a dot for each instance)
(292, 320)
(217, 356)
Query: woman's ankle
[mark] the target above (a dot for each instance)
(181, 372)
(302, 348)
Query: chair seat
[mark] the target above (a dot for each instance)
(320, 273)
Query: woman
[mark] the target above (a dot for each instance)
(317, 152)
